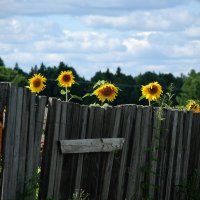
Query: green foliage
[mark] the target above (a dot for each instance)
(190, 88)
(11, 75)
(191, 187)
(80, 195)
(2, 63)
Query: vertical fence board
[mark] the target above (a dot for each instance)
(171, 159)
(38, 131)
(56, 109)
(59, 161)
(128, 125)
(16, 133)
(23, 142)
(146, 131)
(179, 159)
(66, 162)
(163, 154)
(84, 119)
(9, 143)
(30, 139)
(115, 119)
(132, 187)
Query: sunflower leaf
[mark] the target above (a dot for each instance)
(63, 92)
(105, 105)
(95, 105)
(142, 97)
(99, 83)
(88, 95)
(75, 97)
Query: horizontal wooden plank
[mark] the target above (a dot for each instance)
(91, 145)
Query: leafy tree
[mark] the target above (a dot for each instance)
(2, 62)
(190, 88)
(11, 75)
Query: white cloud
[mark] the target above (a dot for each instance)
(155, 20)
(124, 33)
(79, 7)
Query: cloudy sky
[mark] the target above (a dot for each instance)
(137, 35)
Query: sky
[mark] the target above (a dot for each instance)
(162, 36)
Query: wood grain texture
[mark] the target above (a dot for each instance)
(91, 145)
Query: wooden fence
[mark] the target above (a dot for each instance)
(157, 155)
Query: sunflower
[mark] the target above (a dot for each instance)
(66, 79)
(197, 109)
(152, 91)
(192, 104)
(107, 92)
(36, 83)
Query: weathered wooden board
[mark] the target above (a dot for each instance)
(91, 145)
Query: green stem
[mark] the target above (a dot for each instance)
(66, 95)
(149, 103)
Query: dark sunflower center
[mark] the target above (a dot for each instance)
(37, 83)
(193, 106)
(107, 91)
(66, 78)
(153, 89)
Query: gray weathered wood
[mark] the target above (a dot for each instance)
(162, 162)
(146, 131)
(40, 111)
(171, 158)
(179, 158)
(23, 142)
(6, 194)
(154, 152)
(91, 145)
(129, 117)
(30, 139)
(133, 185)
(16, 148)
(109, 162)
(59, 161)
(84, 114)
(56, 105)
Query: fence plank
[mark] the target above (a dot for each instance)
(163, 154)
(84, 119)
(56, 109)
(146, 133)
(171, 158)
(91, 145)
(59, 161)
(16, 155)
(30, 139)
(115, 119)
(8, 141)
(23, 141)
(179, 158)
(157, 120)
(132, 186)
(38, 130)
(129, 117)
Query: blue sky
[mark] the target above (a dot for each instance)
(137, 35)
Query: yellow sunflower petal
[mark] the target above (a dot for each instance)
(36, 83)
(107, 92)
(191, 104)
(152, 91)
(66, 79)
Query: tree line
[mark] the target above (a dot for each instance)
(185, 87)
